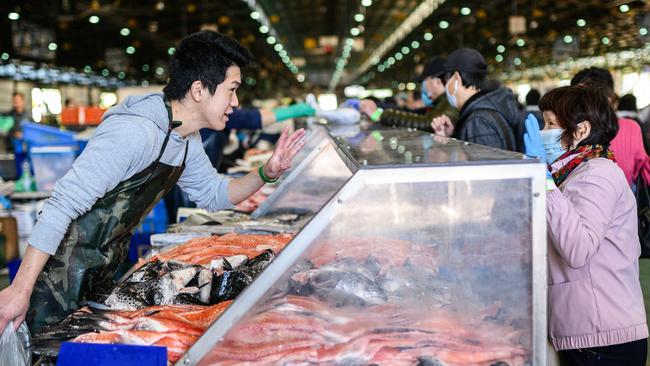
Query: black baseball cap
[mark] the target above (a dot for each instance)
(434, 68)
(466, 60)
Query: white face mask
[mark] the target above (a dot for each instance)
(452, 98)
(552, 145)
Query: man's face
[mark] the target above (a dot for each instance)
(18, 102)
(216, 107)
(435, 87)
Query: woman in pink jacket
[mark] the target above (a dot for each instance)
(596, 312)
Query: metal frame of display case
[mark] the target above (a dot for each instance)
(382, 174)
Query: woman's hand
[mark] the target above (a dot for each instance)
(533, 140)
(286, 148)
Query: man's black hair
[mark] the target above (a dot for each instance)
(594, 74)
(469, 79)
(204, 56)
(627, 103)
(533, 96)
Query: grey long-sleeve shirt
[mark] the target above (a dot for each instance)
(127, 141)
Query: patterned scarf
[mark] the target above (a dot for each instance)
(579, 155)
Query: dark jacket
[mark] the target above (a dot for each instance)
(492, 118)
(400, 118)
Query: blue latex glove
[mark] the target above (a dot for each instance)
(532, 139)
(352, 103)
(293, 111)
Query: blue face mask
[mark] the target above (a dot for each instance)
(452, 98)
(425, 95)
(552, 145)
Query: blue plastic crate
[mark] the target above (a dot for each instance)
(36, 134)
(82, 354)
(155, 222)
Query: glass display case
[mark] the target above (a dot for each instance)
(432, 253)
(318, 173)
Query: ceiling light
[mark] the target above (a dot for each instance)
(401, 86)
(160, 6)
(391, 60)
(87, 69)
(13, 16)
(568, 39)
(359, 17)
(398, 56)
(125, 31)
(160, 70)
(443, 24)
(354, 31)
(105, 72)
(5, 56)
(465, 11)
(94, 19)
(499, 58)
(366, 3)
(278, 47)
(410, 86)
(521, 42)
(145, 67)
(144, 84)
(605, 40)
(624, 8)
(52, 46)
(517, 61)
(643, 31)
(349, 41)
(581, 22)
(428, 36)
(282, 53)
(264, 29)
(130, 50)
(255, 15)
(380, 68)
(406, 50)
(171, 51)
(501, 48)
(121, 75)
(270, 40)
(415, 44)
(300, 78)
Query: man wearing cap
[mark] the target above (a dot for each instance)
(433, 91)
(486, 117)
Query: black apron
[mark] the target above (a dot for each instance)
(97, 242)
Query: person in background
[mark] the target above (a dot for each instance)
(488, 117)
(627, 146)
(432, 96)
(19, 113)
(414, 101)
(532, 99)
(596, 311)
(627, 107)
(141, 149)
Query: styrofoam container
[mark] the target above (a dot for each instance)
(50, 164)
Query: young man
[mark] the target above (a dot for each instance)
(486, 117)
(142, 148)
(433, 97)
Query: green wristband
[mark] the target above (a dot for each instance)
(376, 115)
(264, 177)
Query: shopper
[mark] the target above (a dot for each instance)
(432, 95)
(596, 312)
(141, 149)
(486, 116)
(628, 143)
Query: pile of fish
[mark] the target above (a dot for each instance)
(170, 299)
(300, 330)
(177, 283)
(371, 301)
(176, 327)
